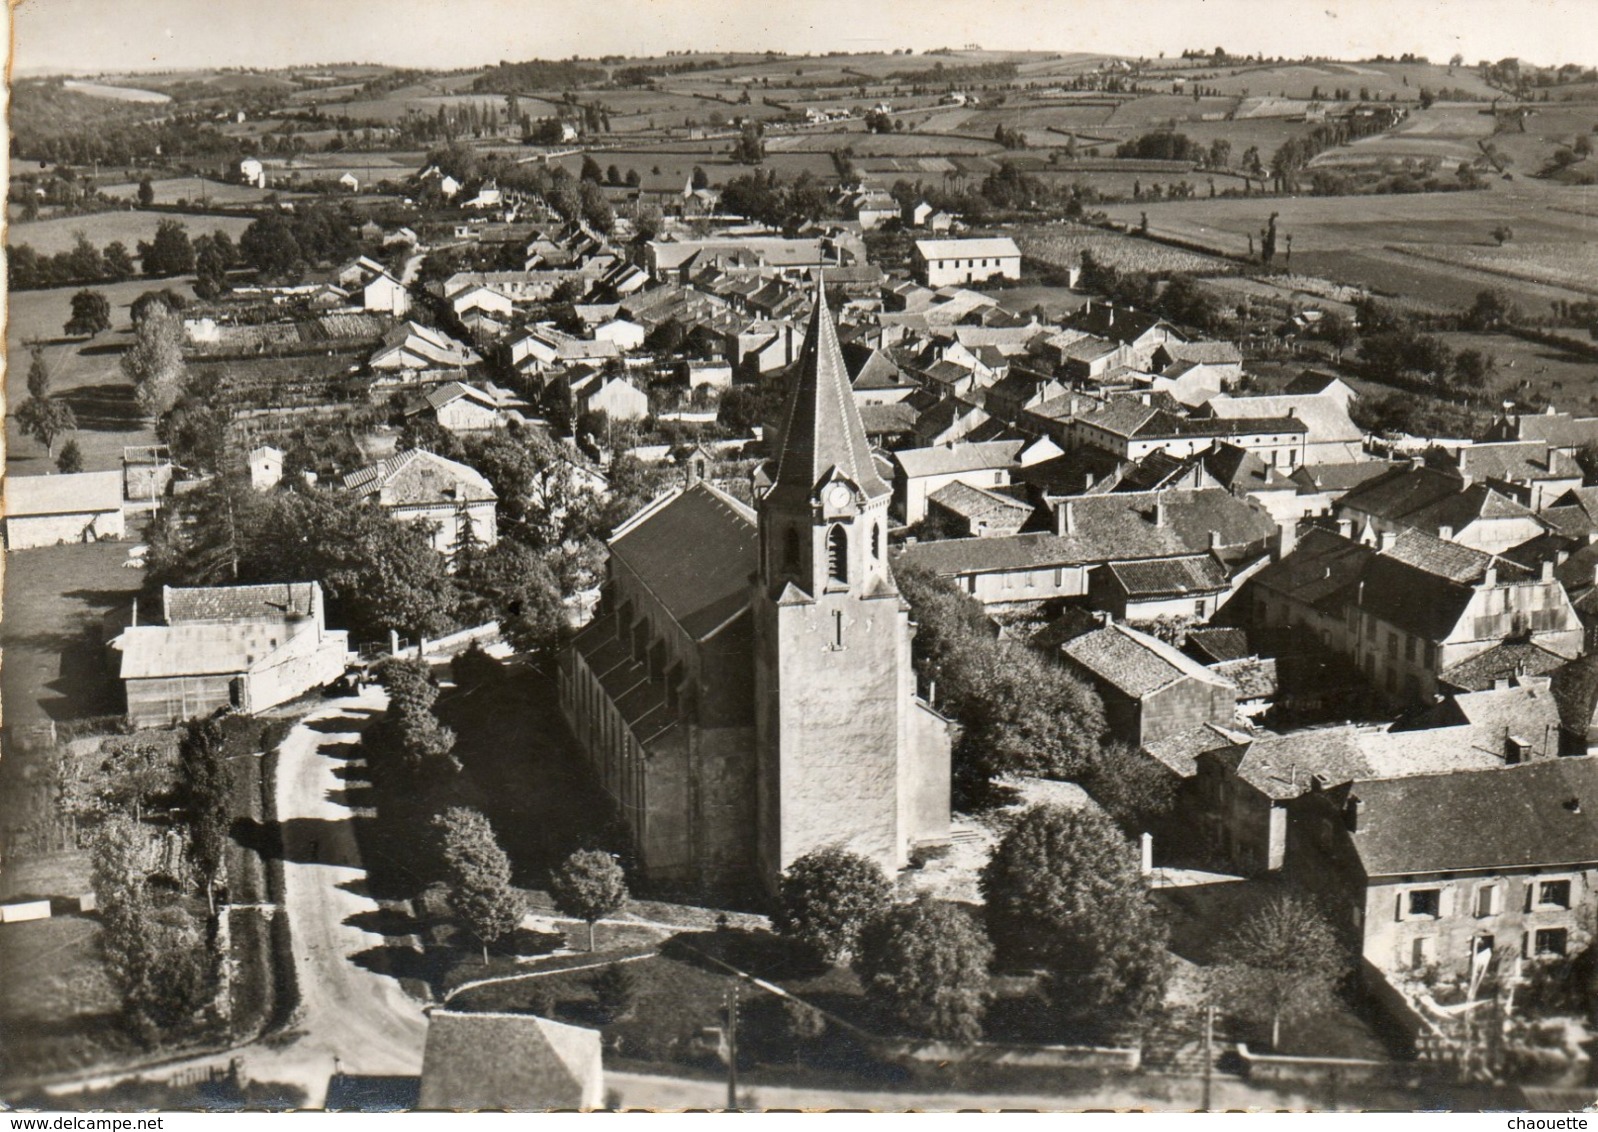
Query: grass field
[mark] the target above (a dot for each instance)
(86, 372)
(1061, 245)
(50, 236)
(55, 665)
(115, 93)
(170, 190)
(1566, 380)
(1348, 239)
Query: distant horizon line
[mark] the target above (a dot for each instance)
(45, 71)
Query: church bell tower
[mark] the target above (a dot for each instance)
(834, 690)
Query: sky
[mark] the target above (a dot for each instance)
(91, 36)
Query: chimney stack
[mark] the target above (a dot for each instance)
(1446, 533)
(1489, 579)
(1351, 813)
(1159, 511)
(1548, 572)
(1385, 540)
(1066, 519)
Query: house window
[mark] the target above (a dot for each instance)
(1431, 655)
(1392, 645)
(1391, 682)
(876, 542)
(1551, 941)
(1198, 610)
(1553, 894)
(838, 555)
(1481, 949)
(1409, 648)
(1489, 899)
(1424, 903)
(1423, 951)
(790, 549)
(998, 478)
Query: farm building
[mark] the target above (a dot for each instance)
(266, 467)
(460, 408)
(47, 510)
(413, 346)
(244, 647)
(939, 263)
(1150, 690)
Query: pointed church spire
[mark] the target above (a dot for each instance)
(821, 427)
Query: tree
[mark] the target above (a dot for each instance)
(1064, 893)
(154, 363)
(588, 886)
(118, 263)
(615, 990)
(43, 416)
(826, 897)
(205, 789)
(699, 179)
(1503, 233)
(269, 245)
(927, 962)
(1285, 963)
(170, 253)
(70, 461)
(1336, 331)
(91, 313)
(591, 172)
(146, 193)
(477, 876)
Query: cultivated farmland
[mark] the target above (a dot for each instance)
(58, 235)
(1062, 245)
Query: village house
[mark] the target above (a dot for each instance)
(1130, 429)
(939, 263)
(242, 647)
(1150, 690)
(745, 692)
(612, 394)
(46, 510)
(418, 486)
(1409, 607)
(1091, 531)
(462, 408)
(1140, 590)
(920, 472)
(1239, 795)
(1320, 486)
(1330, 435)
(412, 346)
(1450, 870)
(1142, 334)
(1565, 433)
(960, 510)
(1530, 472)
(1439, 503)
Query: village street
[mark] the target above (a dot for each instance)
(346, 1012)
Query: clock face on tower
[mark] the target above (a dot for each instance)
(838, 496)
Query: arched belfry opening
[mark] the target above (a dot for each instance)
(838, 556)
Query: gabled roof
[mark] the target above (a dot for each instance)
(964, 249)
(78, 493)
(1561, 430)
(1401, 490)
(417, 478)
(1240, 470)
(1108, 528)
(1542, 813)
(949, 459)
(1504, 661)
(1122, 324)
(1283, 766)
(1475, 503)
(696, 550)
(1169, 577)
(1325, 417)
(509, 1062)
(1204, 353)
(451, 391)
(279, 601)
(822, 433)
(203, 648)
(1218, 645)
(1516, 462)
(1337, 477)
(991, 507)
(1254, 677)
(1135, 663)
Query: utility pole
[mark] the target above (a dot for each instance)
(732, 1048)
(1209, 1052)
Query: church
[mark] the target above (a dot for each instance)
(744, 692)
